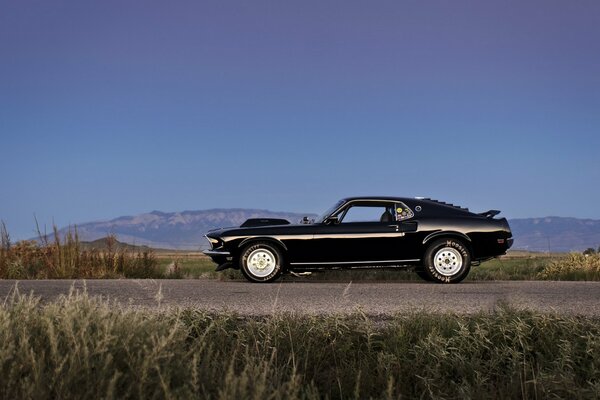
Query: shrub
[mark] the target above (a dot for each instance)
(574, 267)
(65, 257)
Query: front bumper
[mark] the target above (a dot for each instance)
(222, 258)
(217, 253)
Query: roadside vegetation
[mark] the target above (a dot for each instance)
(575, 267)
(521, 267)
(81, 347)
(56, 257)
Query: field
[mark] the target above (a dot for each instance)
(54, 257)
(514, 266)
(81, 347)
(187, 264)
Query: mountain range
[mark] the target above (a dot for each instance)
(174, 230)
(185, 230)
(555, 234)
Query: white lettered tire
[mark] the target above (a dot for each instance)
(447, 261)
(261, 262)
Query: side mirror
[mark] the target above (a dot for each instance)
(332, 220)
(306, 220)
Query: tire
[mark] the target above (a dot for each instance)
(447, 261)
(261, 262)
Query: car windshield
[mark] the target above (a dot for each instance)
(327, 213)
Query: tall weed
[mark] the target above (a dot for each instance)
(575, 267)
(80, 347)
(59, 257)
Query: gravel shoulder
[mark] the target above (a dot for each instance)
(372, 298)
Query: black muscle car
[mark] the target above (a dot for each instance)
(441, 241)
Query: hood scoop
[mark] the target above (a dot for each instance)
(264, 222)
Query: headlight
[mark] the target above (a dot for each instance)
(214, 243)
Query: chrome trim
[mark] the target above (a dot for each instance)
(216, 253)
(279, 237)
(211, 240)
(374, 200)
(354, 262)
(359, 235)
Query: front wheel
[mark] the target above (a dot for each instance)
(261, 262)
(447, 261)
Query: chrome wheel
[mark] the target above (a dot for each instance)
(447, 261)
(261, 262)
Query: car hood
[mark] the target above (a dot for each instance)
(258, 230)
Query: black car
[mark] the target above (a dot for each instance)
(441, 241)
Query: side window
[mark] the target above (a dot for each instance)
(368, 213)
(403, 212)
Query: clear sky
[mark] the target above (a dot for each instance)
(111, 108)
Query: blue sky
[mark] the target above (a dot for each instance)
(117, 108)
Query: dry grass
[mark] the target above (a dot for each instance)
(575, 267)
(80, 347)
(64, 257)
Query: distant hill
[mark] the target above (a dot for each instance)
(175, 230)
(185, 230)
(104, 243)
(555, 234)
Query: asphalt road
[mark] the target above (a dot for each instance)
(378, 299)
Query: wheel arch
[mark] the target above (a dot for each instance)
(267, 239)
(448, 235)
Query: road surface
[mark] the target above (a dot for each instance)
(378, 299)
(373, 298)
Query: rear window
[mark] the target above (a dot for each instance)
(403, 212)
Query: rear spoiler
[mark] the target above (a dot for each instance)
(490, 213)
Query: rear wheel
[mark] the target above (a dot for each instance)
(261, 262)
(423, 275)
(447, 261)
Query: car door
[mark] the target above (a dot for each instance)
(366, 232)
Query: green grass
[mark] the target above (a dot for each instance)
(532, 266)
(511, 268)
(187, 267)
(523, 267)
(193, 266)
(80, 347)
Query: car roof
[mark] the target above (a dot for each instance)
(408, 200)
(383, 198)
